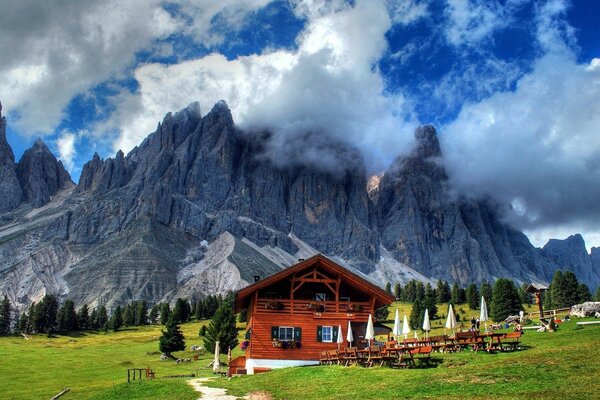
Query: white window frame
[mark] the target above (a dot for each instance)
(284, 330)
(323, 339)
(321, 297)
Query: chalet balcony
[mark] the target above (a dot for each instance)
(319, 309)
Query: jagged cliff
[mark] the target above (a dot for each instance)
(198, 208)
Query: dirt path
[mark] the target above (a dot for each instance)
(209, 393)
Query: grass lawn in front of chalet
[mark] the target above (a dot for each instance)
(94, 365)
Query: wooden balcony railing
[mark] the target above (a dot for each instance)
(311, 307)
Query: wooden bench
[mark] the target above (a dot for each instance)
(421, 354)
(510, 342)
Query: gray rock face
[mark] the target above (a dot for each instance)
(10, 190)
(428, 227)
(41, 175)
(571, 255)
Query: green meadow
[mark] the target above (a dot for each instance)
(562, 364)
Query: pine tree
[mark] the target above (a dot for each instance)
(127, 315)
(486, 291)
(429, 302)
(420, 290)
(416, 315)
(598, 293)
(93, 321)
(116, 321)
(45, 314)
(199, 310)
(165, 313)
(442, 292)
(583, 293)
(456, 295)
(222, 329)
(67, 317)
(102, 320)
(5, 316)
(23, 326)
(398, 291)
(505, 300)
(202, 331)
(141, 314)
(83, 317)
(571, 288)
(410, 291)
(154, 311)
(172, 338)
(388, 287)
(472, 295)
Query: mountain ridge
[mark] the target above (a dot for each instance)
(198, 178)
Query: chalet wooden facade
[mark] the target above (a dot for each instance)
(294, 314)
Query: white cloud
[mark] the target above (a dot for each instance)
(538, 144)
(329, 85)
(471, 21)
(66, 149)
(52, 52)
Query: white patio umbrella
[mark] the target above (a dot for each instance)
(426, 323)
(340, 337)
(349, 335)
(216, 362)
(451, 320)
(483, 314)
(405, 327)
(397, 330)
(370, 334)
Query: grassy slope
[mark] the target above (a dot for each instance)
(94, 366)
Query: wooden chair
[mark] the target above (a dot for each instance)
(323, 358)
(441, 343)
(411, 342)
(510, 342)
(333, 357)
(375, 356)
(350, 356)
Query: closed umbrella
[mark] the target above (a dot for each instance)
(370, 334)
(483, 314)
(451, 320)
(349, 335)
(216, 362)
(397, 330)
(405, 327)
(426, 323)
(340, 338)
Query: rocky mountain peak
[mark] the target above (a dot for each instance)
(427, 142)
(41, 175)
(10, 190)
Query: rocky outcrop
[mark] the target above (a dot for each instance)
(10, 190)
(41, 175)
(570, 254)
(428, 227)
(587, 309)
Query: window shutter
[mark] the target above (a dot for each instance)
(319, 333)
(297, 333)
(274, 332)
(334, 334)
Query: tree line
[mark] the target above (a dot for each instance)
(49, 316)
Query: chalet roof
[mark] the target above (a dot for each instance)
(382, 297)
(535, 287)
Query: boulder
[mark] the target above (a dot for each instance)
(587, 309)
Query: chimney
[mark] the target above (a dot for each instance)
(256, 278)
(300, 259)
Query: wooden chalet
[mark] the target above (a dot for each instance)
(294, 314)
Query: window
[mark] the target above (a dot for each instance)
(286, 333)
(320, 297)
(327, 332)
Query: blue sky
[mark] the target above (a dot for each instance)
(512, 86)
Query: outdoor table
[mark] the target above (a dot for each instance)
(495, 340)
